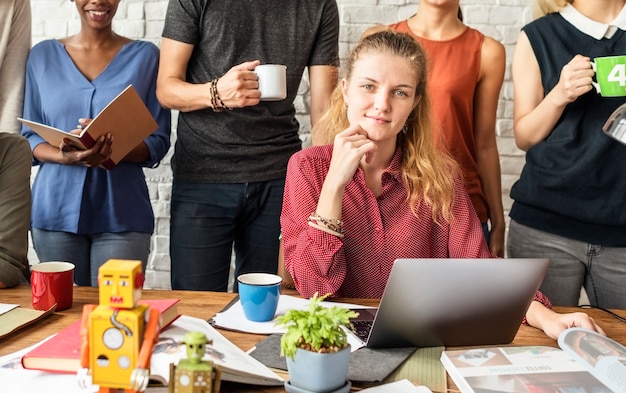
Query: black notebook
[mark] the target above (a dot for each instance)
(366, 364)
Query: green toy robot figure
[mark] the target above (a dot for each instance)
(194, 375)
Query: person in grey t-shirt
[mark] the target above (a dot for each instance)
(232, 149)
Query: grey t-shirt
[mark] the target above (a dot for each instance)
(252, 143)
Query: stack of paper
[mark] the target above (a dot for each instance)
(233, 318)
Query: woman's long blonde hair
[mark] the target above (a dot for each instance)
(544, 7)
(427, 171)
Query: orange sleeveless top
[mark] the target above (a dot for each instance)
(453, 71)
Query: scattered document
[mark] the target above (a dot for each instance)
(402, 386)
(233, 318)
(4, 308)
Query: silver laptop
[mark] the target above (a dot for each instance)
(452, 302)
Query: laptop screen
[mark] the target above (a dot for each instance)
(454, 302)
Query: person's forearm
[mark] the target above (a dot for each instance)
(323, 80)
(538, 124)
(490, 175)
(314, 268)
(45, 152)
(489, 172)
(183, 96)
(537, 313)
(329, 204)
(138, 155)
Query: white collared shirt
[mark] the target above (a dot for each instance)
(591, 27)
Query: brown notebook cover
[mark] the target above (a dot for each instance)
(19, 317)
(126, 117)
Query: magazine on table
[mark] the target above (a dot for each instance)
(587, 362)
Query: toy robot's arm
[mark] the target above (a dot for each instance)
(141, 375)
(84, 379)
(84, 335)
(149, 339)
(217, 379)
(171, 382)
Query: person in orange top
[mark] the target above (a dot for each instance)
(465, 74)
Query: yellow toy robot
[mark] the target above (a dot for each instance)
(194, 375)
(117, 336)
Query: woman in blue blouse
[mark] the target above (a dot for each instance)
(81, 212)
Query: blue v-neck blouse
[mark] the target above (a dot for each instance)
(77, 199)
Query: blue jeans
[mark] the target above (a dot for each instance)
(209, 220)
(573, 265)
(89, 252)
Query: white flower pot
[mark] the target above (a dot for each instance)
(319, 372)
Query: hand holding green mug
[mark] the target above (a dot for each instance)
(610, 75)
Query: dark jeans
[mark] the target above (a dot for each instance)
(485, 227)
(208, 220)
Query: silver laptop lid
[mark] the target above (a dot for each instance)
(455, 302)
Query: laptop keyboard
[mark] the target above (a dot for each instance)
(362, 329)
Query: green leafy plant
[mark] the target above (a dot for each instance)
(315, 328)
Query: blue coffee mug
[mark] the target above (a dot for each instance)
(259, 294)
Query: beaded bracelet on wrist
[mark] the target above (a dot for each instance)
(216, 101)
(325, 229)
(333, 224)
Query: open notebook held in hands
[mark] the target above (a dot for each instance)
(126, 117)
(452, 302)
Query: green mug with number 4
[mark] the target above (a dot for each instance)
(610, 75)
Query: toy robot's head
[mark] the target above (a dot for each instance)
(195, 342)
(120, 283)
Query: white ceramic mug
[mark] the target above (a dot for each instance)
(272, 81)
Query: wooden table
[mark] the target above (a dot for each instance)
(206, 304)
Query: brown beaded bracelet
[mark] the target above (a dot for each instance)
(331, 223)
(322, 228)
(216, 101)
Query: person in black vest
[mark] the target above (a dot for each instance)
(569, 202)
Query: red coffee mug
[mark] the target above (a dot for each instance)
(52, 282)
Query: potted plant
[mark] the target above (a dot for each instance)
(316, 347)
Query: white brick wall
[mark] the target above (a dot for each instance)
(143, 19)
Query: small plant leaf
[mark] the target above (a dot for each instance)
(316, 328)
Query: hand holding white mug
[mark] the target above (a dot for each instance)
(238, 87)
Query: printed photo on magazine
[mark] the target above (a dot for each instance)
(586, 363)
(603, 357)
